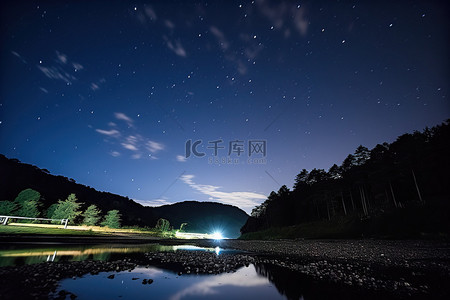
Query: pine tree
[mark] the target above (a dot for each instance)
(300, 179)
(91, 215)
(27, 195)
(112, 219)
(7, 208)
(67, 209)
(362, 155)
(51, 210)
(29, 209)
(28, 203)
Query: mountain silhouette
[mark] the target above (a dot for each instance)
(202, 217)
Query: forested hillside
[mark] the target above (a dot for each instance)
(399, 186)
(201, 217)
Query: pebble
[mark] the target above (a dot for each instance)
(350, 263)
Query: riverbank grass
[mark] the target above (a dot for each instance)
(29, 228)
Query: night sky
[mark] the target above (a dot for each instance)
(108, 93)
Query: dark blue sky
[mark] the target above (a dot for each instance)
(108, 92)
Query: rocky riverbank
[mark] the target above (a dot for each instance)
(37, 281)
(395, 269)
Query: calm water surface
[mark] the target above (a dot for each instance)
(245, 283)
(258, 281)
(16, 255)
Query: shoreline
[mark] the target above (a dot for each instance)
(394, 269)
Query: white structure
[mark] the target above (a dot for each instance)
(4, 220)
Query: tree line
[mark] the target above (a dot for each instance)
(28, 204)
(410, 172)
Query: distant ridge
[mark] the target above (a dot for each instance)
(201, 216)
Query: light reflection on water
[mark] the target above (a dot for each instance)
(245, 283)
(259, 281)
(20, 255)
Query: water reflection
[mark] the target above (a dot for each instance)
(52, 257)
(245, 283)
(292, 285)
(243, 278)
(259, 281)
(20, 255)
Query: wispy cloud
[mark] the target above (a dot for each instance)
(169, 24)
(62, 58)
(251, 47)
(275, 14)
(154, 202)
(129, 147)
(77, 66)
(241, 67)
(44, 90)
(19, 56)
(129, 139)
(146, 14)
(94, 86)
(243, 200)
(176, 47)
(154, 147)
(124, 117)
(115, 153)
(57, 73)
(136, 156)
(301, 22)
(181, 158)
(63, 69)
(111, 132)
(223, 42)
(150, 13)
(280, 13)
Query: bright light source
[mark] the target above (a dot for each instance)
(217, 235)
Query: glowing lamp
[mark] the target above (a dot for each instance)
(217, 235)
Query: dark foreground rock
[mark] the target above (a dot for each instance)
(395, 268)
(38, 280)
(196, 262)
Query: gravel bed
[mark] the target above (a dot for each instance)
(396, 269)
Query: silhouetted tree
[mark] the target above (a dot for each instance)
(112, 219)
(7, 208)
(373, 182)
(348, 163)
(28, 209)
(51, 210)
(162, 225)
(27, 195)
(28, 203)
(283, 192)
(67, 209)
(91, 215)
(317, 176)
(335, 172)
(301, 179)
(362, 155)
